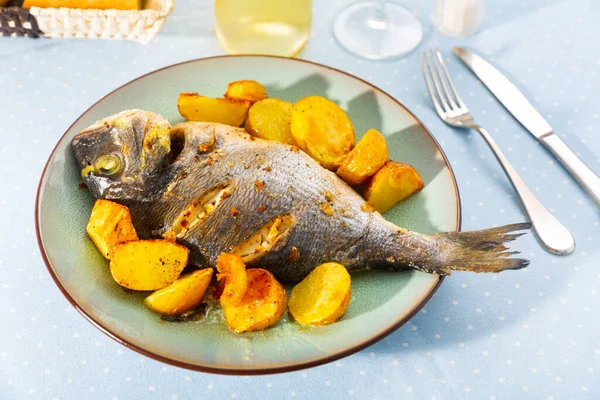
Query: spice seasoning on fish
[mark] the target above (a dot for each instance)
(268, 169)
(234, 211)
(326, 208)
(226, 193)
(367, 207)
(259, 184)
(261, 209)
(328, 196)
(203, 148)
(294, 254)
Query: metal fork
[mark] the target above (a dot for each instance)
(552, 235)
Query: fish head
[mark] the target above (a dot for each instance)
(120, 155)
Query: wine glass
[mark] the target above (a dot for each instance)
(378, 29)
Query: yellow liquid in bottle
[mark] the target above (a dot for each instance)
(275, 27)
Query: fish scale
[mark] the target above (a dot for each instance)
(329, 220)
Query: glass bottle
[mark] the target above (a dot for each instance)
(275, 27)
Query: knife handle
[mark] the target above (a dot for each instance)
(553, 235)
(584, 175)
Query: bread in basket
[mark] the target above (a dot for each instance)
(139, 25)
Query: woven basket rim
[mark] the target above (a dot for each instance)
(61, 22)
(167, 8)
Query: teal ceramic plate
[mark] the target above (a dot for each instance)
(381, 301)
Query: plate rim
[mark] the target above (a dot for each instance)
(246, 371)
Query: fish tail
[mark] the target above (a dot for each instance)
(483, 250)
(478, 251)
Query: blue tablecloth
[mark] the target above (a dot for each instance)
(530, 333)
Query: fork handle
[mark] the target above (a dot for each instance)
(553, 235)
(584, 175)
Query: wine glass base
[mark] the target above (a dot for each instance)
(360, 30)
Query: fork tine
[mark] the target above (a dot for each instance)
(439, 66)
(461, 103)
(428, 82)
(430, 60)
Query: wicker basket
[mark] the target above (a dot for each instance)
(138, 25)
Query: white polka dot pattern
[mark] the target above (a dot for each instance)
(531, 333)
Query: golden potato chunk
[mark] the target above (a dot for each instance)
(109, 225)
(263, 305)
(393, 182)
(322, 297)
(270, 119)
(366, 158)
(148, 264)
(182, 295)
(233, 270)
(246, 90)
(195, 107)
(322, 130)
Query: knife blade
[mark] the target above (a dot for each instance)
(523, 111)
(505, 91)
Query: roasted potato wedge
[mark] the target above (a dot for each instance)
(263, 305)
(393, 182)
(109, 225)
(148, 264)
(322, 297)
(182, 295)
(323, 130)
(246, 90)
(366, 158)
(195, 107)
(270, 119)
(233, 270)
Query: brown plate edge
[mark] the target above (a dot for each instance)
(257, 371)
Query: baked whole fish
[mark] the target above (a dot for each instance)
(214, 188)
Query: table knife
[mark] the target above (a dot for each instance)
(524, 112)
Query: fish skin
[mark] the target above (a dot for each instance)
(329, 222)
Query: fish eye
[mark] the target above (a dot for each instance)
(108, 164)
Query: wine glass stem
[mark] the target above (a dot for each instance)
(378, 18)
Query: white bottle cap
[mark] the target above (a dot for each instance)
(458, 17)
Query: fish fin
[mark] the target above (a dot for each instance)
(481, 251)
